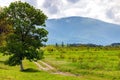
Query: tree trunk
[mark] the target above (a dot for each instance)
(21, 66)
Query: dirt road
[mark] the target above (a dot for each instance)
(46, 67)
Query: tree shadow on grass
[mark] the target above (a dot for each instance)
(2, 62)
(30, 70)
(25, 70)
(3, 67)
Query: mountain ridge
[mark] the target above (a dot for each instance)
(82, 30)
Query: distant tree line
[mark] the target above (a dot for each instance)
(115, 44)
(85, 45)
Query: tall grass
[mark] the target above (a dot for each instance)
(100, 62)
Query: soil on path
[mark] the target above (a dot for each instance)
(46, 67)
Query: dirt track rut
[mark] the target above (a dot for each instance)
(46, 67)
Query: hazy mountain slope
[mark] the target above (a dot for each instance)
(82, 30)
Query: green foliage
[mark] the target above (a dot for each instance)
(26, 39)
(5, 28)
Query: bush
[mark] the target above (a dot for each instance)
(62, 56)
(74, 59)
(50, 49)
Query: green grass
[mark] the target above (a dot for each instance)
(95, 63)
(31, 72)
(92, 64)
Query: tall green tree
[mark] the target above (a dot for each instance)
(27, 37)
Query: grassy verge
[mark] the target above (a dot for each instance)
(31, 72)
(94, 64)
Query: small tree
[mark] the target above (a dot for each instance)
(56, 44)
(5, 29)
(26, 39)
(62, 44)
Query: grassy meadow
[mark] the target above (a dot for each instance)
(96, 63)
(31, 72)
(87, 63)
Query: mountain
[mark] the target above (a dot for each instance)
(82, 30)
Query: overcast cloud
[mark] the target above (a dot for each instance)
(106, 10)
(52, 6)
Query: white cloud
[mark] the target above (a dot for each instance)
(5, 2)
(32, 2)
(106, 10)
(73, 1)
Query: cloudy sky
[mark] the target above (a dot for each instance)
(106, 10)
